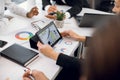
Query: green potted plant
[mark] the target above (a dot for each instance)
(60, 16)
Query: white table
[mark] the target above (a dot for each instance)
(9, 69)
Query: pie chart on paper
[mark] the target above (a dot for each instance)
(23, 35)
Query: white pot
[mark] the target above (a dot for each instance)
(59, 24)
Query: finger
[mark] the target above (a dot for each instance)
(34, 73)
(53, 7)
(39, 45)
(50, 16)
(52, 10)
(27, 73)
(26, 78)
(36, 13)
(64, 33)
(35, 8)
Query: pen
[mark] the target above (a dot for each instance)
(53, 3)
(30, 73)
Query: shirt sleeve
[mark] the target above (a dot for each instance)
(67, 15)
(15, 9)
(68, 61)
(76, 8)
(73, 64)
(45, 3)
(47, 7)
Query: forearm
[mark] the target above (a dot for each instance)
(68, 61)
(45, 3)
(82, 38)
(16, 9)
(74, 10)
(54, 55)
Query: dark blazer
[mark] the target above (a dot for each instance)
(72, 67)
(75, 4)
(105, 5)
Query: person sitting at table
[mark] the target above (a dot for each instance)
(102, 59)
(7, 4)
(76, 6)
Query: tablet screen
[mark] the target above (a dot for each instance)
(49, 34)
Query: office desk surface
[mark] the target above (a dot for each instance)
(9, 69)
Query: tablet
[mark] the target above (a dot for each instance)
(49, 34)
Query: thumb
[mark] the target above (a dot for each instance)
(39, 44)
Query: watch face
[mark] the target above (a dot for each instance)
(2, 43)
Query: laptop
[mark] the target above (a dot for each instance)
(90, 19)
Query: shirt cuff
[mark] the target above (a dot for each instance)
(47, 7)
(67, 15)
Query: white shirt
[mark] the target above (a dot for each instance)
(13, 8)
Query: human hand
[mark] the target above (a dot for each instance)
(33, 12)
(37, 75)
(73, 35)
(47, 51)
(26, 75)
(51, 16)
(52, 9)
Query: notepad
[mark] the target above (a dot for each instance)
(19, 54)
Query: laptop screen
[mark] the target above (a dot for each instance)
(91, 19)
(49, 34)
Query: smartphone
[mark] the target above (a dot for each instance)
(52, 13)
(2, 43)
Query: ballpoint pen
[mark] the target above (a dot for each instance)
(53, 4)
(30, 73)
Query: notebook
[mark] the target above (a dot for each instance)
(90, 19)
(49, 34)
(19, 54)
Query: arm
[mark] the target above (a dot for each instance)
(20, 11)
(72, 65)
(68, 61)
(70, 33)
(35, 74)
(45, 3)
(14, 8)
(76, 8)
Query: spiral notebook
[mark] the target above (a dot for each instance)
(19, 54)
